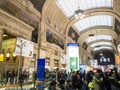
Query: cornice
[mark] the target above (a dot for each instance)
(23, 10)
(14, 19)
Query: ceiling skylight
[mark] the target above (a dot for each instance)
(101, 44)
(69, 6)
(102, 47)
(98, 37)
(99, 20)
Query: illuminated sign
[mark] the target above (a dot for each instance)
(72, 56)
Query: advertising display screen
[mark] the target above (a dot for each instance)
(1, 58)
(72, 56)
(94, 63)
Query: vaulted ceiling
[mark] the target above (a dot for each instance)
(96, 26)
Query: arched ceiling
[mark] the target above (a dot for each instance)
(70, 6)
(96, 23)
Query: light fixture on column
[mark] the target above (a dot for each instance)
(8, 54)
(14, 57)
(1, 54)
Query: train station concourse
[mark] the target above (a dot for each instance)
(39, 38)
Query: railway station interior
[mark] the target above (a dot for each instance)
(32, 30)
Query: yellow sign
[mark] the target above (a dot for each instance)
(1, 58)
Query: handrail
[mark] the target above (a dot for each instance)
(17, 85)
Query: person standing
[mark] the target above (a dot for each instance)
(53, 85)
(69, 85)
(12, 77)
(62, 85)
(97, 80)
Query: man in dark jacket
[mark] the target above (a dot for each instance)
(62, 85)
(53, 85)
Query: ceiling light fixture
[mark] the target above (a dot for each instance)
(101, 54)
(78, 13)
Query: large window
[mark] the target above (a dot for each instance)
(69, 6)
(93, 21)
(98, 37)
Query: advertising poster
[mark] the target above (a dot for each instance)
(1, 58)
(73, 63)
(72, 57)
(7, 47)
(118, 48)
(83, 68)
(117, 59)
(26, 46)
(40, 69)
(63, 58)
(94, 63)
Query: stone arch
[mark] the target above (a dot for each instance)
(106, 12)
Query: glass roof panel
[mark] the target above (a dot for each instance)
(102, 47)
(69, 6)
(100, 44)
(98, 37)
(99, 20)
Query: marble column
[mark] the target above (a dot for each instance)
(1, 38)
(1, 63)
(42, 35)
(51, 59)
(41, 39)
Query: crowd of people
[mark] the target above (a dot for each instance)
(75, 80)
(109, 80)
(10, 76)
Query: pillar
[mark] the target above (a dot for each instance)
(41, 38)
(1, 38)
(1, 63)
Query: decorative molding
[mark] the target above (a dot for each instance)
(23, 10)
(13, 25)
